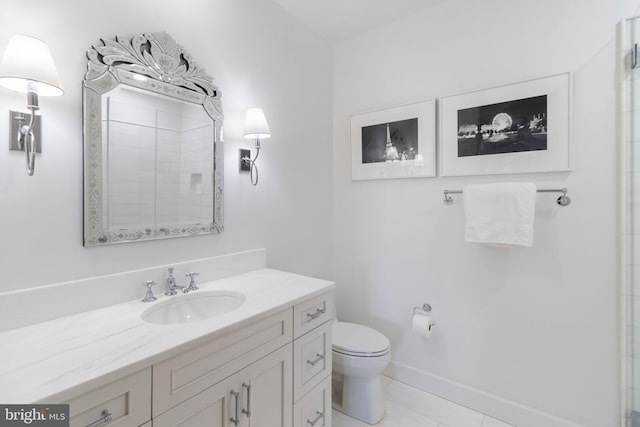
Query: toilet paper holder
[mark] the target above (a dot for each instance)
(425, 309)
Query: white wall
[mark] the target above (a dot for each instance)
(258, 56)
(526, 335)
(530, 327)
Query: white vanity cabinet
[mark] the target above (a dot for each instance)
(258, 395)
(242, 379)
(288, 387)
(273, 371)
(191, 372)
(312, 362)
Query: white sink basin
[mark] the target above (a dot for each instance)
(192, 307)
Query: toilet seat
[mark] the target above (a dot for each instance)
(357, 340)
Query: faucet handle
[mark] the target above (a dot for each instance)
(148, 297)
(192, 282)
(171, 284)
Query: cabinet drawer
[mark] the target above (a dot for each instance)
(314, 409)
(128, 401)
(191, 372)
(311, 359)
(312, 313)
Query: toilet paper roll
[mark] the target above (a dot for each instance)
(422, 324)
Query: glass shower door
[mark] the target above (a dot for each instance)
(629, 126)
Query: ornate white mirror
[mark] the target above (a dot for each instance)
(153, 161)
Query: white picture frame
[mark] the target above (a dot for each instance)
(412, 133)
(535, 139)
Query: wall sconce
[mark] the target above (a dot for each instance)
(27, 67)
(255, 127)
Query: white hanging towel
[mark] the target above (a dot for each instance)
(500, 214)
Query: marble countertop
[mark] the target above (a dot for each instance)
(53, 361)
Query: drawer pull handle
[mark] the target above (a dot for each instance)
(319, 312)
(320, 415)
(107, 417)
(319, 357)
(235, 420)
(247, 411)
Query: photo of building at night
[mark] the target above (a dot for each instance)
(506, 127)
(390, 142)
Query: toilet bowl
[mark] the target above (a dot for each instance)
(360, 354)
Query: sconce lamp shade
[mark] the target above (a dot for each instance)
(255, 124)
(29, 59)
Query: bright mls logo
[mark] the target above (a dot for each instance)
(34, 415)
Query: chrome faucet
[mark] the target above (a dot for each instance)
(192, 283)
(172, 287)
(148, 296)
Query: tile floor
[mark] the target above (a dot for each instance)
(410, 407)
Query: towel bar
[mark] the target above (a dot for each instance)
(563, 200)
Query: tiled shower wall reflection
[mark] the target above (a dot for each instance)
(166, 153)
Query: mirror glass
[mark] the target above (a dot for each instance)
(152, 151)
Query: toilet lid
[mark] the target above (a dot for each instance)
(352, 338)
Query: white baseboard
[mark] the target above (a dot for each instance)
(494, 406)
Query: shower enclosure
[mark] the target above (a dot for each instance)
(629, 167)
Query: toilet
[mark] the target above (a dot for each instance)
(360, 354)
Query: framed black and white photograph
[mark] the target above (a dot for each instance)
(398, 142)
(518, 128)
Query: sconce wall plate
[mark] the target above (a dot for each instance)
(245, 160)
(14, 130)
(255, 127)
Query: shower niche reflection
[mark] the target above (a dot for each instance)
(152, 150)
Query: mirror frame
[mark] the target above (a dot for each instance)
(170, 71)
